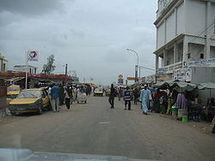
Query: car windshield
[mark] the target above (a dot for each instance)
(29, 94)
(98, 90)
(13, 89)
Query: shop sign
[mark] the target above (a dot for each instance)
(161, 70)
(120, 81)
(150, 79)
(183, 74)
(205, 62)
(120, 76)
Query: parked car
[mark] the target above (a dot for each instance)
(30, 100)
(12, 92)
(98, 92)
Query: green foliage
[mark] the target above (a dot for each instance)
(49, 67)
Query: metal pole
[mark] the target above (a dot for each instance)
(66, 70)
(136, 73)
(66, 74)
(26, 72)
(137, 65)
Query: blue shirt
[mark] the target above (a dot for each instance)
(55, 91)
(145, 95)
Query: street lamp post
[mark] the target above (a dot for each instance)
(142, 67)
(137, 65)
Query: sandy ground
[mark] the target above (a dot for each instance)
(94, 128)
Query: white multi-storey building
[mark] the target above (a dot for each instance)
(22, 68)
(185, 36)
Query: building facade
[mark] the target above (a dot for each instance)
(185, 37)
(3, 64)
(22, 68)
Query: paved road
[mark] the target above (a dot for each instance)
(94, 128)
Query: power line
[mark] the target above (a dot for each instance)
(211, 25)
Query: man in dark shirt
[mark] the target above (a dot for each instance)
(112, 95)
(127, 98)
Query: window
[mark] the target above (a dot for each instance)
(201, 56)
(188, 55)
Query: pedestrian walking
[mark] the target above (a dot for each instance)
(61, 96)
(119, 93)
(156, 101)
(127, 98)
(136, 94)
(145, 97)
(67, 97)
(112, 95)
(55, 92)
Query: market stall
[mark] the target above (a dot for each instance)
(209, 109)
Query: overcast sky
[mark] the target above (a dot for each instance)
(91, 36)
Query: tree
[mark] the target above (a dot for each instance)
(49, 67)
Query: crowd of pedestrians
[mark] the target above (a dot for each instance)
(143, 95)
(65, 95)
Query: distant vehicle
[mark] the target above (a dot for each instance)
(107, 92)
(30, 100)
(98, 92)
(12, 92)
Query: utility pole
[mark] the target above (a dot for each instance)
(66, 74)
(137, 65)
(66, 70)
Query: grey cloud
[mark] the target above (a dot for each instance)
(30, 7)
(90, 35)
(115, 56)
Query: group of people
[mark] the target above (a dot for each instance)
(144, 96)
(65, 95)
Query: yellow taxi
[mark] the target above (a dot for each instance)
(12, 92)
(98, 92)
(30, 100)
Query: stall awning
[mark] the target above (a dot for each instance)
(208, 85)
(183, 85)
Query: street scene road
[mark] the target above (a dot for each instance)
(95, 128)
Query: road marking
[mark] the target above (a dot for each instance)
(105, 122)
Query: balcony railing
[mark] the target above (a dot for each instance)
(170, 68)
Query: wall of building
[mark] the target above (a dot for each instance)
(180, 52)
(169, 57)
(195, 50)
(212, 51)
(170, 27)
(31, 70)
(175, 25)
(212, 19)
(195, 17)
(203, 74)
(161, 35)
(180, 19)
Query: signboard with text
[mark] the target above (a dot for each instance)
(32, 56)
